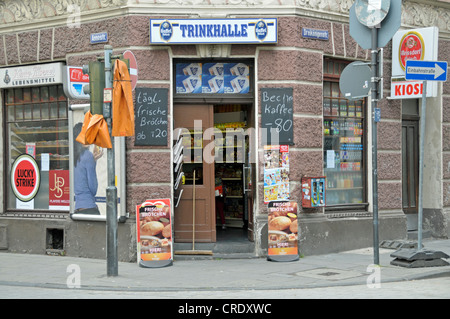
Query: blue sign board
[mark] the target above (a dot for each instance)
(101, 37)
(314, 34)
(426, 70)
(213, 31)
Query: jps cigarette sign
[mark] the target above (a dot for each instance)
(214, 31)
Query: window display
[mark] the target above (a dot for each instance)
(343, 132)
(36, 124)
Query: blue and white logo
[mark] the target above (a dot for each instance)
(261, 30)
(166, 30)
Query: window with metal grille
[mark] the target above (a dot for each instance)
(36, 120)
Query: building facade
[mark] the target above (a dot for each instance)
(241, 79)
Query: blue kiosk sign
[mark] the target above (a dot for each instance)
(197, 31)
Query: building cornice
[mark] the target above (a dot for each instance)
(25, 15)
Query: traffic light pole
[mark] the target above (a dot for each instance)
(374, 100)
(111, 190)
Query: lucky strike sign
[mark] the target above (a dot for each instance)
(25, 178)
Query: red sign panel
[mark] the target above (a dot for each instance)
(59, 191)
(411, 48)
(76, 75)
(25, 177)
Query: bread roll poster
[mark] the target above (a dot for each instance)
(154, 230)
(283, 228)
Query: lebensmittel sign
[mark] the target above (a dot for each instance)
(213, 31)
(31, 75)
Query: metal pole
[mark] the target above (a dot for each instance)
(374, 97)
(421, 152)
(111, 190)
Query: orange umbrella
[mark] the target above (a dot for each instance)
(122, 106)
(94, 131)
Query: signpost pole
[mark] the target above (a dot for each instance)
(374, 97)
(111, 190)
(421, 153)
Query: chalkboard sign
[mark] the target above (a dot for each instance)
(151, 124)
(277, 110)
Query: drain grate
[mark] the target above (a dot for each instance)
(329, 274)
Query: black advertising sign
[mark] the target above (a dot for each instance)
(277, 111)
(151, 124)
(283, 231)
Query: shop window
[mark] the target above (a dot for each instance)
(225, 77)
(344, 136)
(37, 124)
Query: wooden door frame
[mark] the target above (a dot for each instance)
(408, 122)
(207, 188)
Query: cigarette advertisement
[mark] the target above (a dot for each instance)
(283, 231)
(276, 173)
(212, 78)
(154, 233)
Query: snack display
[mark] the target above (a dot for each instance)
(154, 233)
(283, 229)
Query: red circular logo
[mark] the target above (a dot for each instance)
(25, 177)
(411, 48)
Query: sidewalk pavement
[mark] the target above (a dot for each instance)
(337, 269)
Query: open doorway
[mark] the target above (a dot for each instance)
(217, 141)
(233, 178)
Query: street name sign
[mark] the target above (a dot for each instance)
(426, 70)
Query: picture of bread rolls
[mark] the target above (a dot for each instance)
(294, 227)
(152, 228)
(167, 231)
(279, 223)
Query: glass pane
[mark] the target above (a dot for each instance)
(18, 96)
(61, 96)
(36, 111)
(45, 111)
(405, 200)
(325, 66)
(326, 89)
(53, 93)
(44, 94)
(26, 95)
(411, 171)
(35, 96)
(193, 157)
(53, 110)
(410, 107)
(28, 109)
(62, 110)
(9, 96)
(335, 89)
(330, 67)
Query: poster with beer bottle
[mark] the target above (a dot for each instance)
(283, 231)
(154, 233)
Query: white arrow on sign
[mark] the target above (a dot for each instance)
(437, 70)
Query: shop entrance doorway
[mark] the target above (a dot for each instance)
(410, 161)
(217, 147)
